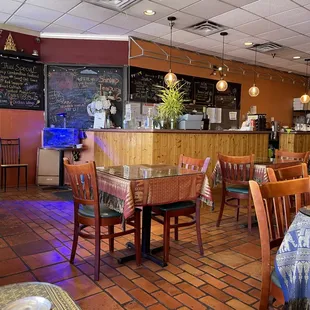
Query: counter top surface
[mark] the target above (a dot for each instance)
(180, 131)
(296, 133)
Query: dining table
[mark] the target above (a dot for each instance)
(124, 188)
(292, 262)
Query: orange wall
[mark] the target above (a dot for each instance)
(275, 98)
(27, 126)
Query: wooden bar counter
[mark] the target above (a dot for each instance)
(295, 141)
(127, 147)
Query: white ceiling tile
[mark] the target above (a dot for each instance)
(307, 7)
(126, 21)
(303, 47)
(240, 43)
(234, 18)
(57, 5)
(4, 17)
(293, 41)
(9, 6)
(108, 30)
(161, 41)
(140, 35)
(302, 2)
(26, 23)
(233, 35)
(238, 3)
(182, 36)
(138, 9)
(281, 33)
(183, 20)
(258, 27)
(301, 27)
(291, 17)
(92, 12)
(175, 4)
(75, 22)
(219, 48)
(244, 53)
(53, 28)
(208, 8)
(38, 13)
(203, 43)
(155, 29)
(270, 7)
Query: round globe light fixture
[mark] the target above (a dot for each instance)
(305, 98)
(254, 91)
(221, 85)
(170, 79)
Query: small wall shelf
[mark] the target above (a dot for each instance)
(19, 55)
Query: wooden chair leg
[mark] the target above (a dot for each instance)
(18, 176)
(166, 236)
(4, 179)
(237, 213)
(1, 177)
(176, 230)
(97, 252)
(75, 241)
(198, 230)
(221, 210)
(249, 216)
(137, 236)
(111, 240)
(26, 177)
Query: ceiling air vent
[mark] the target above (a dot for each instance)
(266, 47)
(206, 28)
(114, 4)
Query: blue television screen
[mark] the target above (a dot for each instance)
(60, 137)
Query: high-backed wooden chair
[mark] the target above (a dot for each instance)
(89, 212)
(190, 209)
(10, 158)
(236, 173)
(288, 173)
(303, 157)
(272, 202)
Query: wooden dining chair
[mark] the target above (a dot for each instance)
(189, 209)
(285, 155)
(236, 172)
(287, 173)
(10, 158)
(89, 212)
(272, 203)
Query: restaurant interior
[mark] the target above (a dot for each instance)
(154, 154)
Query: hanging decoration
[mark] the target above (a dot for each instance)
(254, 90)
(9, 44)
(305, 97)
(222, 85)
(170, 77)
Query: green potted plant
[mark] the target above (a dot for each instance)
(172, 106)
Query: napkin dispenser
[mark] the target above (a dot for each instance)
(190, 121)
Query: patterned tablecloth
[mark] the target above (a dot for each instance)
(56, 295)
(124, 195)
(292, 263)
(260, 174)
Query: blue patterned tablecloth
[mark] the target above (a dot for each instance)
(292, 263)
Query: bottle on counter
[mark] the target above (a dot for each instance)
(205, 119)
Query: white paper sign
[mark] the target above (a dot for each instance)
(215, 115)
(233, 116)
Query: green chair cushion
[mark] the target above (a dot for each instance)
(238, 189)
(275, 279)
(177, 205)
(88, 211)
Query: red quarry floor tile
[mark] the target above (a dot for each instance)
(6, 253)
(12, 266)
(145, 285)
(98, 302)
(144, 298)
(43, 259)
(18, 278)
(31, 248)
(167, 300)
(118, 294)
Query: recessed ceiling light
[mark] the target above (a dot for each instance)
(149, 12)
(248, 43)
(296, 57)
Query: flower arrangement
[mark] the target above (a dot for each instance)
(100, 104)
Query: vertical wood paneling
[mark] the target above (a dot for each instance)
(295, 142)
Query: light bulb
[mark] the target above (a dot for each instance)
(254, 91)
(170, 79)
(305, 98)
(221, 85)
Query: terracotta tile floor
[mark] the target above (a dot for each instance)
(35, 243)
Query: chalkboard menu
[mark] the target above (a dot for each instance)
(21, 85)
(230, 98)
(70, 89)
(143, 88)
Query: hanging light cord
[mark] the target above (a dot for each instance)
(307, 78)
(255, 66)
(171, 25)
(222, 73)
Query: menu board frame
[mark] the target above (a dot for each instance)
(37, 88)
(123, 68)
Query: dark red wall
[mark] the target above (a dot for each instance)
(84, 52)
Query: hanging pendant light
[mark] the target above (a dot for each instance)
(170, 77)
(222, 85)
(254, 90)
(305, 98)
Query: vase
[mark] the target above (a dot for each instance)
(100, 120)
